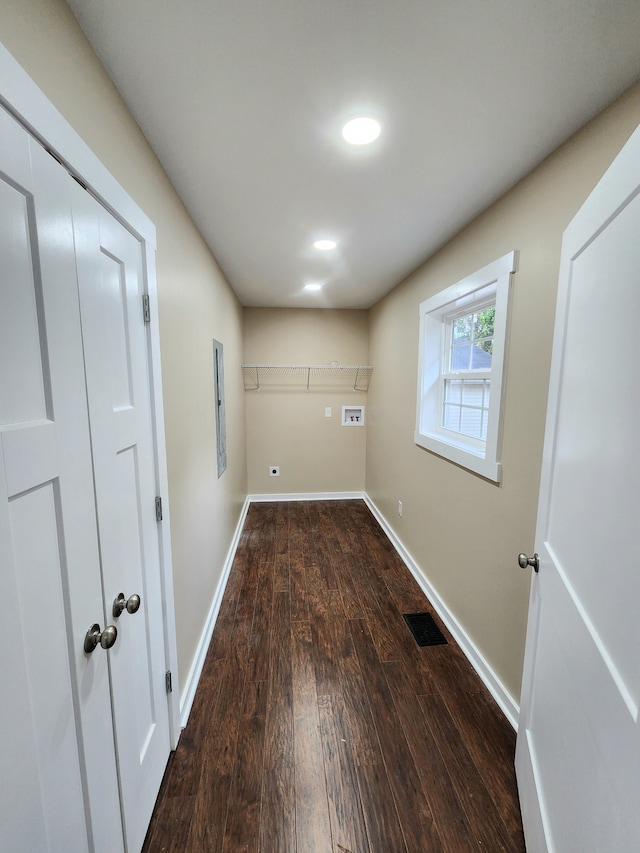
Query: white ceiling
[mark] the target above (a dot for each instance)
(243, 102)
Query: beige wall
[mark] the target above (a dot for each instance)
(287, 426)
(196, 305)
(464, 532)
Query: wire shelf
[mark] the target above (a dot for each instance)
(257, 376)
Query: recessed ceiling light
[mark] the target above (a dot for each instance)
(313, 286)
(325, 245)
(361, 131)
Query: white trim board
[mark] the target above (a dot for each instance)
(309, 496)
(191, 682)
(475, 657)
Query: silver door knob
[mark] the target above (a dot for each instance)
(524, 562)
(120, 603)
(95, 637)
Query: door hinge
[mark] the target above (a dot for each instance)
(146, 310)
(167, 681)
(158, 509)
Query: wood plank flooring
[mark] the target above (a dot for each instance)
(319, 726)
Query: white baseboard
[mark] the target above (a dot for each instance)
(191, 683)
(477, 660)
(311, 496)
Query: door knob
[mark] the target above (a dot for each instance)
(120, 603)
(95, 636)
(524, 562)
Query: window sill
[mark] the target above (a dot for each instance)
(462, 454)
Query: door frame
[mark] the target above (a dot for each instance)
(30, 106)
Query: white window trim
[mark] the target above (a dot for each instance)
(482, 458)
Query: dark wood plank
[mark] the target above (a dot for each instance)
(380, 613)
(242, 828)
(220, 743)
(260, 640)
(403, 588)
(169, 832)
(447, 670)
(277, 819)
(219, 749)
(219, 646)
(324, 602)
(380, 814)
(327, 658)
(413, 810)
(403, 647)
(182, 776)
(209, 809)
(247, 592)
(297, 530)
(281, 577)
(313, 830)
(348, 830)
(349, 589)
(491, 744)
(452, 824)
(281, 580)
(484, 818)
(338, 673)
(322, 549)
(298, 580)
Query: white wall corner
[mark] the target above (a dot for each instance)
(505, 700)
(191, 683)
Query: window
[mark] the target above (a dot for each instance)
(460, 371)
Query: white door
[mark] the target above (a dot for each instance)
(54, 758)
(578, 747)
(73, 536)
(110, 278)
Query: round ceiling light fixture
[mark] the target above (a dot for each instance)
(325, 245)
(313, 286)
(361, 130)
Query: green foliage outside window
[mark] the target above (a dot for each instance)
(483, 328)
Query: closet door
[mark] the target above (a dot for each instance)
(111, 286)
(84, 733)
(60, 789)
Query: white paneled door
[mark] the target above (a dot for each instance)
(578, 747)
(114, 339)
(84, 737)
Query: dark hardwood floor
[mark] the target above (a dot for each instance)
(319, 726)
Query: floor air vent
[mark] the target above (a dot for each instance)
(424, 629)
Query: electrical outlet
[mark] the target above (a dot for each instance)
(399, 507)
(274, 470)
